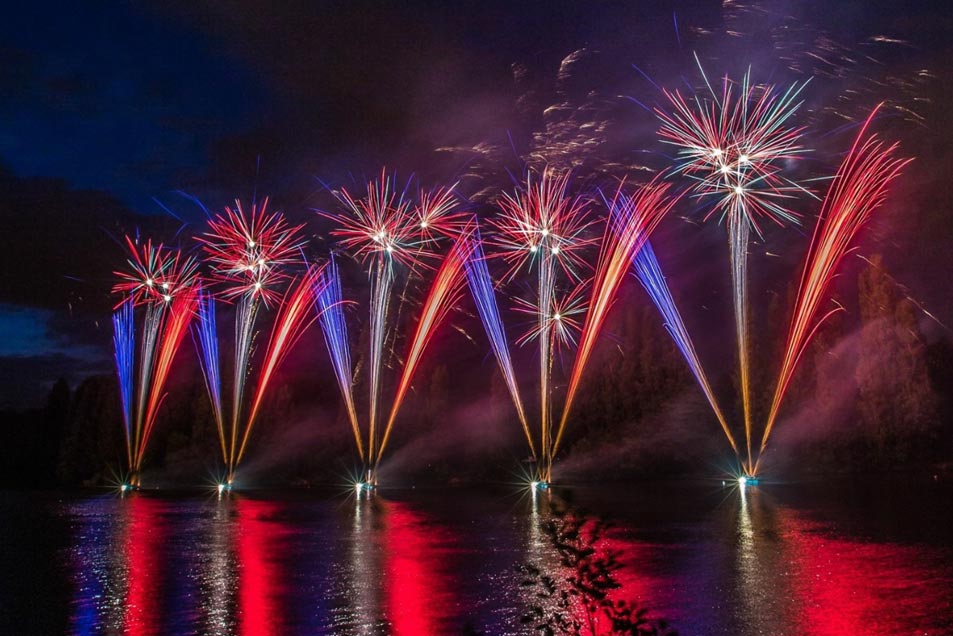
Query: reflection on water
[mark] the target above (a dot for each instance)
(757, 560)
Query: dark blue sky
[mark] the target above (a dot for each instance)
(108, 109)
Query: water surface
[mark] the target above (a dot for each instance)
(774, 559)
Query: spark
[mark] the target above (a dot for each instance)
(858, 189)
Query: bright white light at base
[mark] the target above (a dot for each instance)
(221, 487)
(739, 190)
(742, 481)
(124, 487)
(533, 484)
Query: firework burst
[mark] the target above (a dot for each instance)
(383, 229)
(730, 145)
(161, 281)
(249, 251)
(543, 227)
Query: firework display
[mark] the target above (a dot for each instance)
(858, 189)
(732, 145)
(387, 228)
(161, 282)
(561, 256)
(250, 253)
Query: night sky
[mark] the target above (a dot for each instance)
(124, 117)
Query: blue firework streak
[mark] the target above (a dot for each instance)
(205, 331)
(329, 304)
(124, 343)
(649, 273)
(484, 296)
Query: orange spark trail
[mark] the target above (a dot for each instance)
(859, 188)
(444, 294)
(633, 218)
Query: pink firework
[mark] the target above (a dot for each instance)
(156, 273)
(731, 146)
(247, 249)
(542, 221)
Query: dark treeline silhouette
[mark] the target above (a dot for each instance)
(871, 395)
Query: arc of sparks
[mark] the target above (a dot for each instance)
(294, 317)
(860, 187)
(329, 305)
(205, 333)
(484, 297)
(445, 292)
(124, 345)
(649, 273)
(632, 220)
(730, 147)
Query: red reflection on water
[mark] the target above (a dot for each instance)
(419, 593)
(143, 535)
(855, 587)
(259, 608)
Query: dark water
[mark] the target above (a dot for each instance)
(774, 559)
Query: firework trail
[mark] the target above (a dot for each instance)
(206, 333)
(484, 297)
(445, 292)
(248, 251)
(859, 187)
(379, 228)
(542, 226)
(124, 344)
(160, 280)
(294, 316)
(649, 273)
(176, 324)
(383, 229)
(730, 146)
(631, 220)
(329, 305)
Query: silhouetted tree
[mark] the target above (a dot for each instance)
(579, 600)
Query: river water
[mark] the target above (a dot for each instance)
(774, 559)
